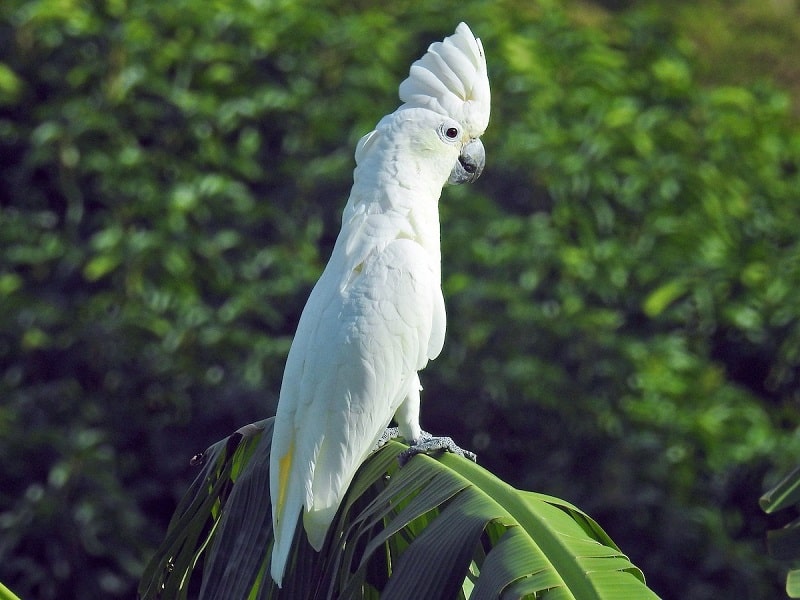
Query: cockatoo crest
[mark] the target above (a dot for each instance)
(451, 80)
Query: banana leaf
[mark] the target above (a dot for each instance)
(784, 543)
(7, 594)
(437, 528)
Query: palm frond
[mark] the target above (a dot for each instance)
(784, 543)
(436, 528)
(7, 594)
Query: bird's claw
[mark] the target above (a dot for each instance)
(388, 434)
(428, 444)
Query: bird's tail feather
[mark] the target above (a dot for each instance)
(284, 534)
(287, 503)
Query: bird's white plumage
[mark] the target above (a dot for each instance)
(451, 79)
(376, 315)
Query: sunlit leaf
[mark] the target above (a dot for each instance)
(6, 594)
(427, 530)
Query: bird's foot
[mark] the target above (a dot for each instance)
(388, 434)
(428, 444)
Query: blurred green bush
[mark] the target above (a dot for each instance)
(623, 322)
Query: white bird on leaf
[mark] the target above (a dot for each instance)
(376, 315)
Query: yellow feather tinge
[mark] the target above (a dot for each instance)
(284, 470)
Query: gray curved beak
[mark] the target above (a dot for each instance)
(470, 163)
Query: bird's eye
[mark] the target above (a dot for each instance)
(449, 132)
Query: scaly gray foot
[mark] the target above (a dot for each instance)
(388, 434)
(429, 444)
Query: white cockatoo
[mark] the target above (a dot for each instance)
(376, 315)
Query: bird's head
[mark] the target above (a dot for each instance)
(445, 110)
(451, 80)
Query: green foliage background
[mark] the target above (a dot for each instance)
(624, 327)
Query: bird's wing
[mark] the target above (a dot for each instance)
(375, 232)
(355, 356)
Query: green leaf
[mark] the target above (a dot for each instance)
(659, 299)
(793, 584)
(784, 543)
(100, 265)
(7, 594)
(783, 495)
(10, 85)
(436, 528)
(168, 573)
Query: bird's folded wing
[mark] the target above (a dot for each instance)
(364, 344)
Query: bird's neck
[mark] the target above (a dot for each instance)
(406, 197)
(424, 221)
